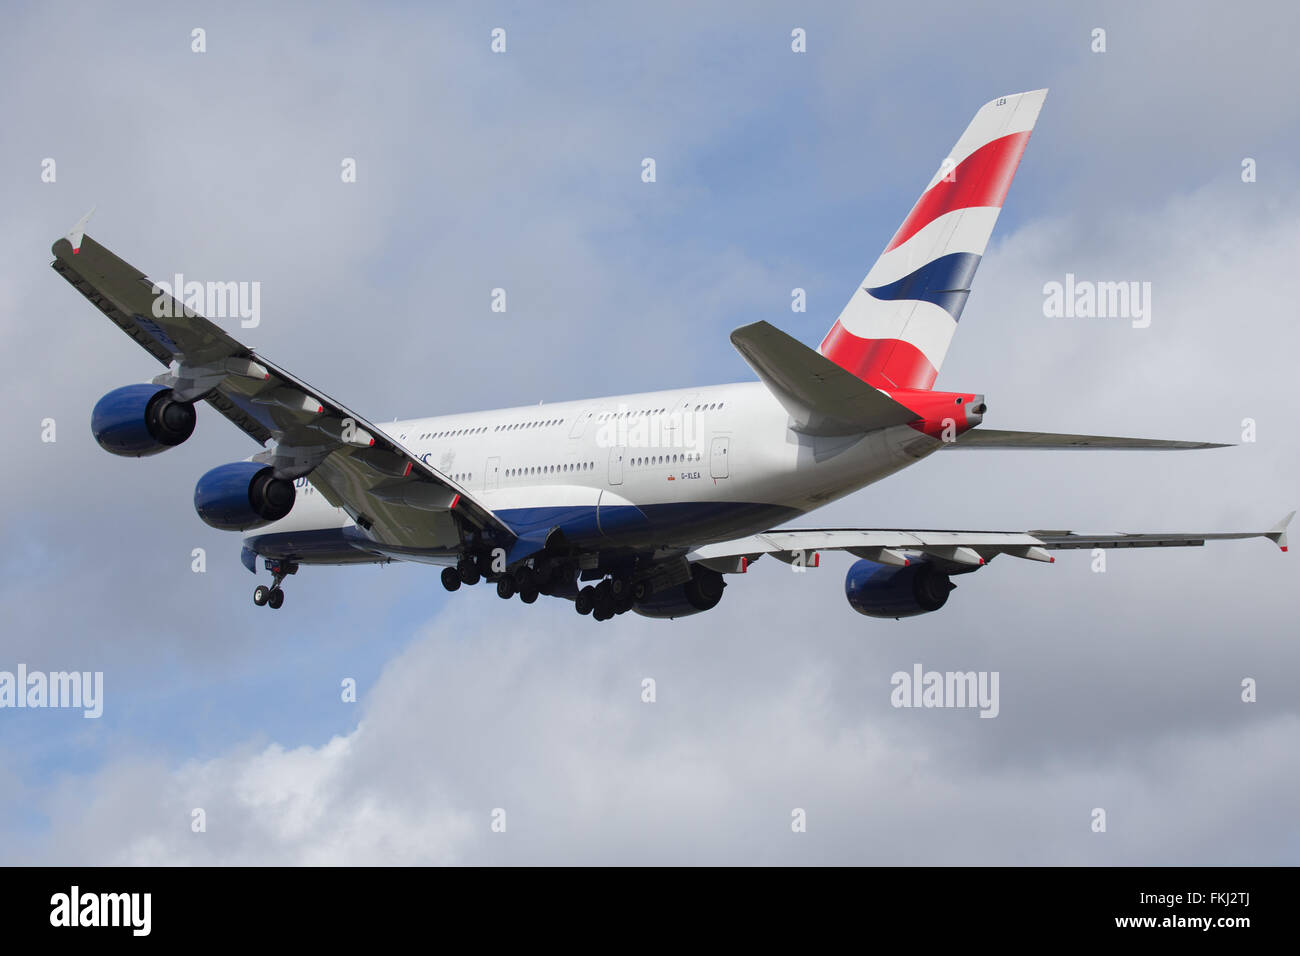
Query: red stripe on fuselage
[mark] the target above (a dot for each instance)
(981, 179)
(884, 363)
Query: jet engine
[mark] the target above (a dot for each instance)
(139, 420)
(881, 590)
(242, 495)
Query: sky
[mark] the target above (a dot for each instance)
(775, 170)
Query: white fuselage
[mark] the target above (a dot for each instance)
(705, 464)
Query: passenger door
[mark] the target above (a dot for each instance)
(718, 455)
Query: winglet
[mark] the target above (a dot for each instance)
(79, 231)
(1278, 534)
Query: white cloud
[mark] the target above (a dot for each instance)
(550, 727)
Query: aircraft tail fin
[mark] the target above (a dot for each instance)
(896, 328)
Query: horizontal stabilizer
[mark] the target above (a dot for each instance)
(823, 398)
(995, 438)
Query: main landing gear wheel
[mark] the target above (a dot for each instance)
(605, 601)
(585, 602)
(529, 596)
(526, 579)
(261, 594)
(275, 599)
(469, 573)
(450, 579)
(506, 586)
(552, 578)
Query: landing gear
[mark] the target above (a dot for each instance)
(469, 573)
(606, 606)
(616, 594)
(528, 584)
(525, 581)
(550, 576)
(621, 592)
(273, 597)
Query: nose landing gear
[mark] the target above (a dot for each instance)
(274, 595)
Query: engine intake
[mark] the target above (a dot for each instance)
(242, 495)
(139, 420)
(881, 590)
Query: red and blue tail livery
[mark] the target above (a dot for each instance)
(896, 329)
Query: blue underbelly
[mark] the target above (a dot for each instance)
(626, 527)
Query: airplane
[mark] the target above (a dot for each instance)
(645, 502)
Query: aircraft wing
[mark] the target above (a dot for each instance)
(389, 492)
(951, 550)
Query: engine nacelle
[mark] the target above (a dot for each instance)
(882, 590)
(701, 593)
(242, 495)
(139, 420)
